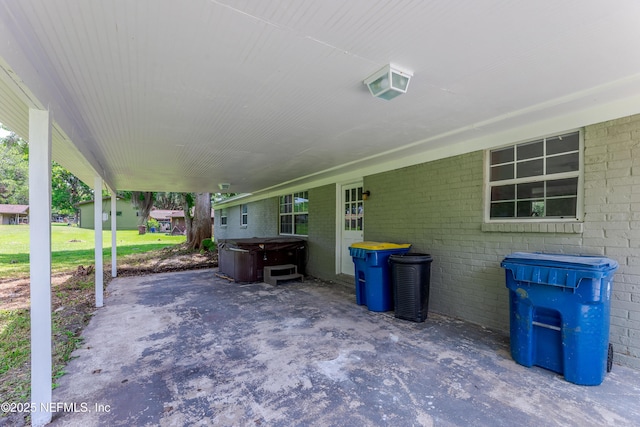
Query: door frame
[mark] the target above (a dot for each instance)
(339, 217)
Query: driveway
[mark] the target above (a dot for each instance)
(190, 348)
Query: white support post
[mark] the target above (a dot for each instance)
(114, 251)
(97, 213)
(40, 263)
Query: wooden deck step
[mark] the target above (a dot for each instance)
(275, 273)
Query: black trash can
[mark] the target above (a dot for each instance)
(410, 278)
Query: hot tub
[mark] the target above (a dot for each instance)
(244, 259)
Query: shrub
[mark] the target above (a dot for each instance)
(153, 223)
(208, 245)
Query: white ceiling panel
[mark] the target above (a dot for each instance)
(179, 96)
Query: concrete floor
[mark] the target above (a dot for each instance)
(189, 348)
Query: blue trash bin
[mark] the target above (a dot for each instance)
(559, 313)
(372, 273)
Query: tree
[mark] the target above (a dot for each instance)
(14, 170)
(67, 190)
(198, 224)
(221, 197)
(169, 201)
(143, 201)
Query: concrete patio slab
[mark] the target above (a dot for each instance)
(188, 348)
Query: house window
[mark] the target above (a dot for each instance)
(353, 209)
(294, 213)
(536, 179)
(223, 217)
(244, 216)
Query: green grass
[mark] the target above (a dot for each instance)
(14, 338)
(71, 247)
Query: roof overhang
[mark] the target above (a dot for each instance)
(155, 95)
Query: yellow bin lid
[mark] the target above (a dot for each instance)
(380, 246)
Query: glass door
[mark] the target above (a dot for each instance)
(352, 208)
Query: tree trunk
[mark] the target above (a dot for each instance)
(143, 201)
(187, 203)
(199, 225)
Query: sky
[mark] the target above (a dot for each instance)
(3, 132)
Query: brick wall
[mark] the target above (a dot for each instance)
(438, 207)
(322, 232)
(612, 222)
(262, 221)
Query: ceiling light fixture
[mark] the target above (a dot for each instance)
(388, 82)
(224, 186)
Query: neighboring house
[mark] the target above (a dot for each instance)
(127, 215)
(178, 225)
(574, 192)
(14, 214)
(164, 217)
(173, 220)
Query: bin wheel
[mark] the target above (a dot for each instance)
(610, 358)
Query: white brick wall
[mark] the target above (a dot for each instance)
(438, 207)
(262, 221)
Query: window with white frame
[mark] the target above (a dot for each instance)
(294, 213)
(223, 217)
(537, 179)
(244, 215)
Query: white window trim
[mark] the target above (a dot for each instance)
(224, 218)
(518, 222)
(244, 216)
(292, 214)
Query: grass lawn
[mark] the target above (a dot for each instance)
(71, 247)
(72, 301)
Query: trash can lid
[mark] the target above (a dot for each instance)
(583, 262)
(410, 258)
(380, 246)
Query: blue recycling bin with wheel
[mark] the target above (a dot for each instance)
(372, 273)
(559, 313)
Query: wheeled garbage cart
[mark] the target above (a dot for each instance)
(410, 279)
(373, 284)
(559, 313)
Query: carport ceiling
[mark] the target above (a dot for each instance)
(166, 95)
